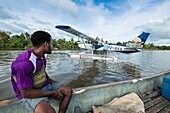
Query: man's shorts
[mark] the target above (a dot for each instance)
(31, 104)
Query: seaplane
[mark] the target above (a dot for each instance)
(130, 47)
(95, 49)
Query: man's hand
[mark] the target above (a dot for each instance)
(58, 95)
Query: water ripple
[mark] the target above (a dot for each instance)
(85, 72)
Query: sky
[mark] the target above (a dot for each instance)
(112, 20)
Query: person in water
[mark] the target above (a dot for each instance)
(31, 83)
(105, 48)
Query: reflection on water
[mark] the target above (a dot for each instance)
(86, 72)
(6, 58)
(89, 71)
(100, 72)
(131, 69)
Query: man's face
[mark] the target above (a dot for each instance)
(49, 48)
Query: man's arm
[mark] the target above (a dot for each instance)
(37, 93)
(51, 80)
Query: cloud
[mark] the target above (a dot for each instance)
(97, 20)
(11, 28)
(64, 6)
(40, 21)
(4, 14)
(160, 32)
(111, 20)
(21, 25)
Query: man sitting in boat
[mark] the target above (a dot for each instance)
(30, 81)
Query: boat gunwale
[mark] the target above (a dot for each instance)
(75, 90)
(122, 82)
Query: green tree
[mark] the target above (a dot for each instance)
(97, 38)
(20, 41)
(118, 43)
(4, 38)
(72, 40)
(54, 42)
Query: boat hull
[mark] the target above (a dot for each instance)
(86, 97)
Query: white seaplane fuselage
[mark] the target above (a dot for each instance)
(89, 53)
(128, 48)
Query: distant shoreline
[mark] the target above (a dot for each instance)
(55, 49)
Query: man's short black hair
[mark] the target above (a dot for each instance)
(39, 37)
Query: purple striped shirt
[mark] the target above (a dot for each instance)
(23, 68)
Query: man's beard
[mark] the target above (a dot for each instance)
(49, 50)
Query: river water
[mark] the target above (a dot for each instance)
(86, 72)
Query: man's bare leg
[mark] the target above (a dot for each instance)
(44, 107)
(67, 91)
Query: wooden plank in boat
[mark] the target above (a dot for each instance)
(153, 102)
(152, 95)
(158, 107)
(165, 110)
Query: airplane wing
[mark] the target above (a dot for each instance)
(75, 32)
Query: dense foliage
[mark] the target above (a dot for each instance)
(23, 41)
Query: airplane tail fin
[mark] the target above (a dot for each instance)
(139, 41)
(143, 37)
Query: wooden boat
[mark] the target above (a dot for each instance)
(86, 97)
